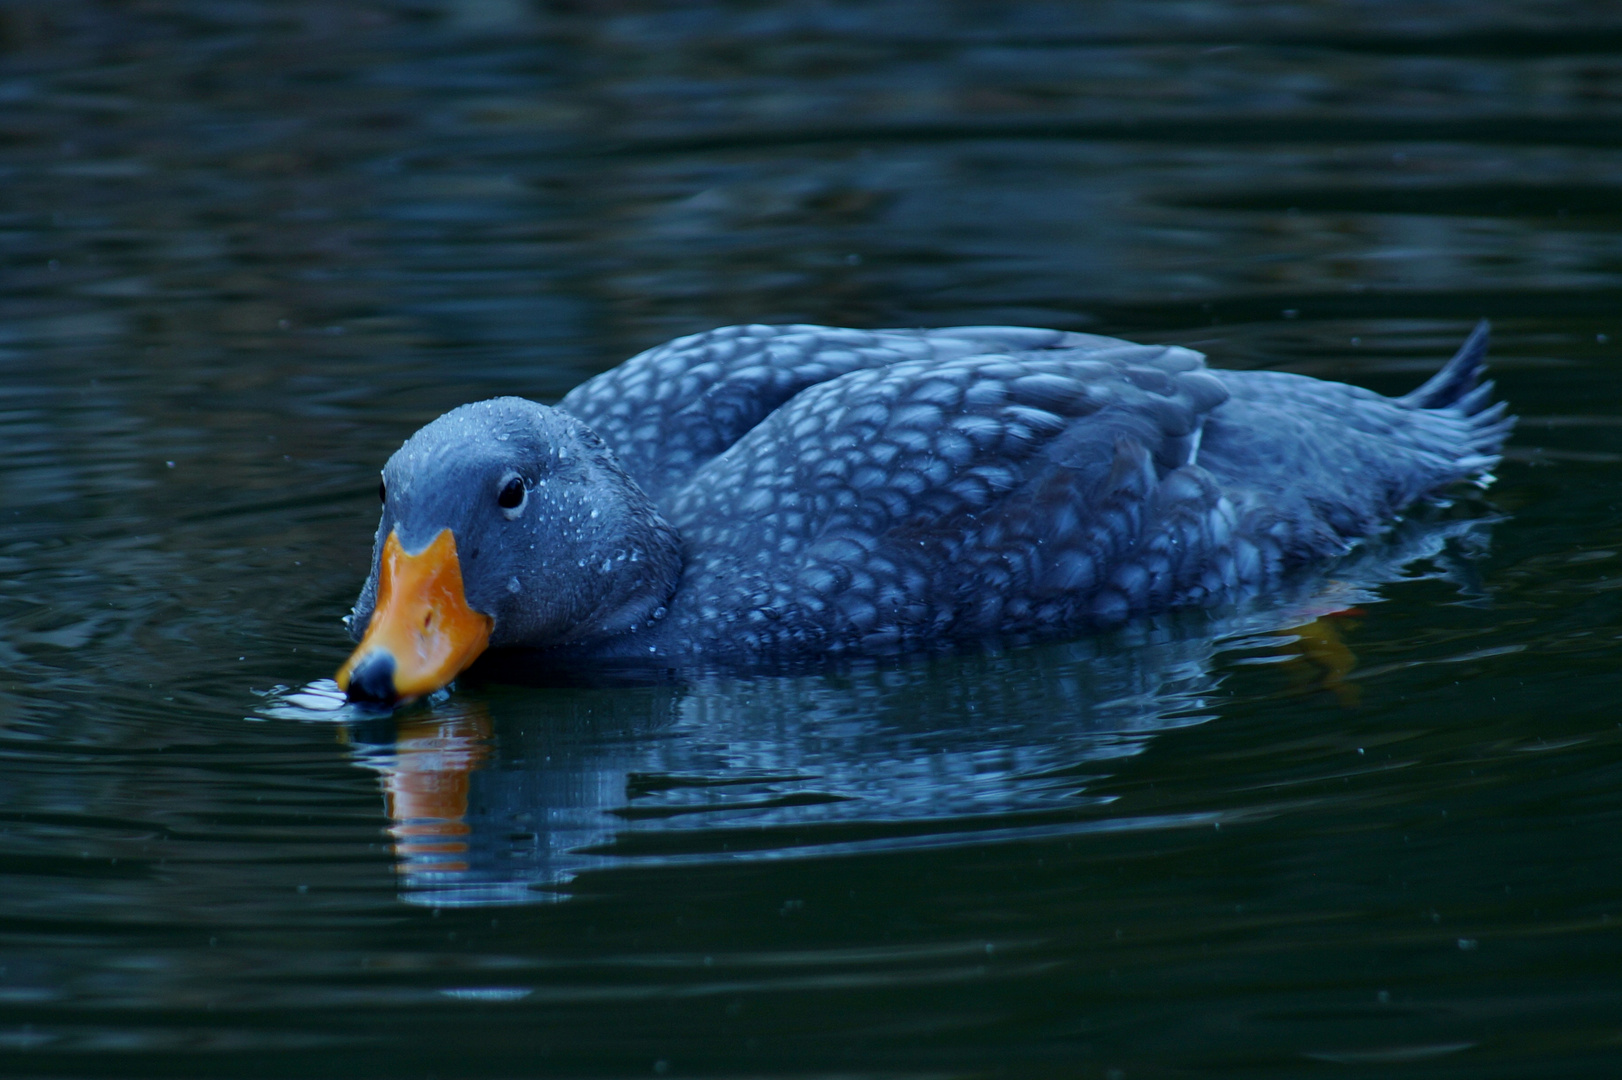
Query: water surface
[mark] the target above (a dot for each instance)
(1369, 829)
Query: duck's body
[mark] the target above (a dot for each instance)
(762, 492)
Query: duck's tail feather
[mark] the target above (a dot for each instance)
(1458, 389)
(1459, 380)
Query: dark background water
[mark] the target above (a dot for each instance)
(247, 247)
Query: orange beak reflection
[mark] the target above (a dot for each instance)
(422, 633)
(425, 790)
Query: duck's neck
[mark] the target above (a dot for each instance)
(638, 578)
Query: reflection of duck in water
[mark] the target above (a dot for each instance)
(425, 789)
(498, 797)
(759, 493)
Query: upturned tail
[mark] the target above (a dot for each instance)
(1460, 390)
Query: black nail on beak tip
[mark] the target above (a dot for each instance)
(372, 681)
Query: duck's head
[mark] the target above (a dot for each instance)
(504, 523)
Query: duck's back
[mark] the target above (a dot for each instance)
(868, 490)
(670, 409)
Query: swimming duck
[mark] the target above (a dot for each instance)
(759, 493)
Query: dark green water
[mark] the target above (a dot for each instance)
(247, 247)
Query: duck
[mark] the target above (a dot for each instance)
(761, 493)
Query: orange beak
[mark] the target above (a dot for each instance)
(422, 633)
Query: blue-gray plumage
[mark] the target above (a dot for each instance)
(762, 492)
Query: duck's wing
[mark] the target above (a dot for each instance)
(986, 494)
(668, 410)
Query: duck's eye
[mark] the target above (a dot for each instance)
(382, 492)
(511, 494)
